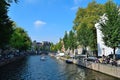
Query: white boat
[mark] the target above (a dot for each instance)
(43, 58)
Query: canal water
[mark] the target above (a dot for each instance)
(32, 68)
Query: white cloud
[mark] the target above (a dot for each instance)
(39, 23)
(74, 8)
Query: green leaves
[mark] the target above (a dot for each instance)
(82, 31)
(72, 40)
(6, 28)
(66, 40)
(84, 24)
(56, 47)
(20, 39)
(10, 35)
(111, 27)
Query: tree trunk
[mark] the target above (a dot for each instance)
(86, 52)
(114, 53)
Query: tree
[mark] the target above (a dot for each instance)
(5, 23)
(66, 40)
(53, 48)
(59, 45)
(88, 16)
(83, 35)
(72, 40)
(110, 27)
(20, 39)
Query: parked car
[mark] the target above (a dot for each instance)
(117, 56)
(92, 59)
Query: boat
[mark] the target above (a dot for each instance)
(69, 61)
(43, 58)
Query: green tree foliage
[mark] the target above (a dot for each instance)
(88, 17)
(57, 46)
(53, 48)
(111, 26)
(72, 38)
(5, 23)
(20, 39)
(90, 14)
(66, 40)
(84, 36)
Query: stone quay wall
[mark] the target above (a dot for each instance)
(7, 61)
(104, 68)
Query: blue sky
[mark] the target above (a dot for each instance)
(47, 20)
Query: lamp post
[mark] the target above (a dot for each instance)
(103, 51)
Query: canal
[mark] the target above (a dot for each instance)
(32, 68)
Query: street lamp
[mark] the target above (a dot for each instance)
(103, 51)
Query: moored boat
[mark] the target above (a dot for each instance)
(69, 61)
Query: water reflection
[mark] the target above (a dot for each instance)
(32, 68)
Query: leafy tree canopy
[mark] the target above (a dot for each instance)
(111, 26)
(88, 17)
(20, 39)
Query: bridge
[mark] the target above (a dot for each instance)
(40, 52)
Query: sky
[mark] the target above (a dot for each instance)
(47, 20)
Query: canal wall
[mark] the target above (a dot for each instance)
(7, 61)
(104, 68)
